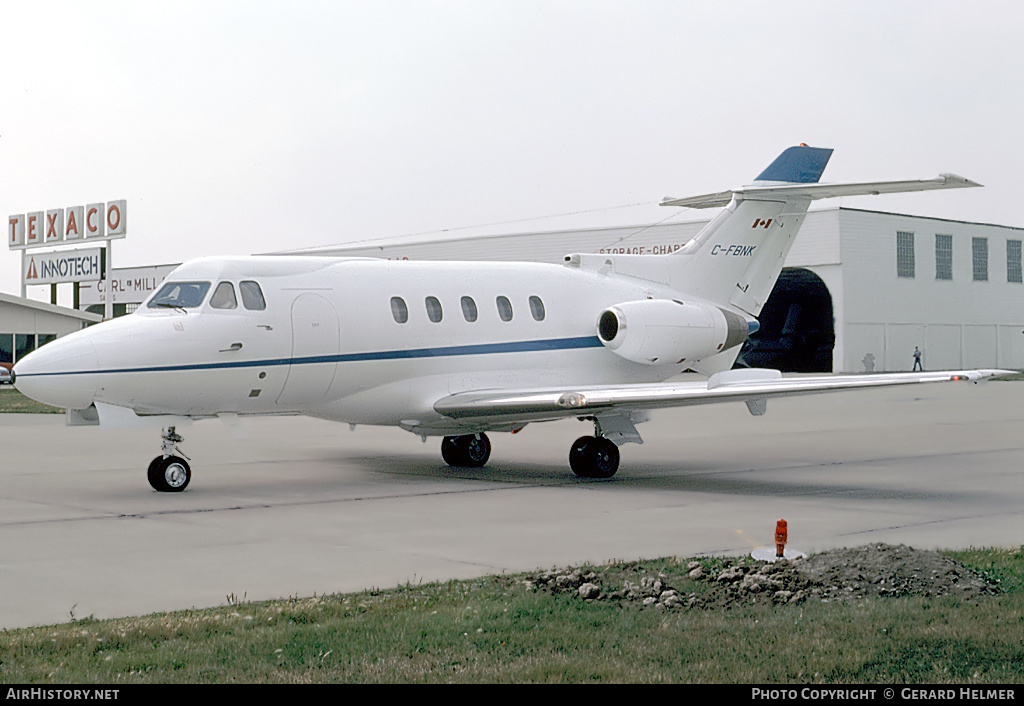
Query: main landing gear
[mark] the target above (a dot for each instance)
(469, 450)
(170, 472)
(594, 457)
(589, 457)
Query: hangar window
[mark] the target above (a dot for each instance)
(180, 295)
(399, 310)
(904, 254)
(252, 296)
(537, 308)
(469, 308)
(1013, 268)
(434, 312)
(943, 257)
(44, 338)
(224, 297)
(979, 253)
(6, 348)
(504, 308)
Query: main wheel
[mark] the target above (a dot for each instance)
(579, 453)
(605, 460)
(169, 475)
(594, 457)
(476, 450)
(469, 450)
(450, 450)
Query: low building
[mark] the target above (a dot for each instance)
(26, 324)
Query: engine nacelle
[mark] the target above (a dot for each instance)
(667, 331)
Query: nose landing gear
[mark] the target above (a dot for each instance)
(170, 472)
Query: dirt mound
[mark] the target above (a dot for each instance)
(838, 575)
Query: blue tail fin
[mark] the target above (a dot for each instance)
(797, 165)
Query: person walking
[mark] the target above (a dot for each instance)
(917, 359)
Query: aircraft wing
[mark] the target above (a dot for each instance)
(753, 386)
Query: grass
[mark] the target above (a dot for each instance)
(495, 630)
(13, 402)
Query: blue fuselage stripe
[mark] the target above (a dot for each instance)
(553, 344)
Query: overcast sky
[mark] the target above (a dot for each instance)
(247, 127)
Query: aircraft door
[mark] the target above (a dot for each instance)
(316, 339)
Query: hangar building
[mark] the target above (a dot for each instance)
(860, 289)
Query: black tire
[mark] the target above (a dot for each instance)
(594, 457)
(604, 459)
(476, 449)
(450, 451)
(467, 451)
(169, 475)
(579, 455)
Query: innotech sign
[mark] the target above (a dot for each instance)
(86, 265)
(67, 226)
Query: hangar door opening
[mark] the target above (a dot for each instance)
(797, 331)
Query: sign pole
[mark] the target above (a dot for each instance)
(108, 309)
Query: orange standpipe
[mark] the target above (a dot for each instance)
(781, 534)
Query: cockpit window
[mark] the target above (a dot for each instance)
(180, 295)
(252, 296)
(224, 297)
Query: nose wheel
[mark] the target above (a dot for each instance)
(170, 472)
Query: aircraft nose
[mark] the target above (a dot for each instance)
(63, 373)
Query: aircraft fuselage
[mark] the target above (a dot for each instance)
(359, 340)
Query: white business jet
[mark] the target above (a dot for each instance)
(458, 349)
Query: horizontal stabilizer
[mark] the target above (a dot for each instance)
(821, 191)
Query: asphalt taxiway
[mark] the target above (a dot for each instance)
(294, 506)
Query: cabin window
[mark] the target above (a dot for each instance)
(224, 297)
(537, 308)
(434, 312)
(399, 310)
(180, 295)
(469, 309)
(252, 296)
(504, 308)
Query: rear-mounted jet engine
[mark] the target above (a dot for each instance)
(668, 331)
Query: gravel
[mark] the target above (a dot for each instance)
(877, 570)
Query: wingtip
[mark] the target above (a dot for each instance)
(957, 180)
